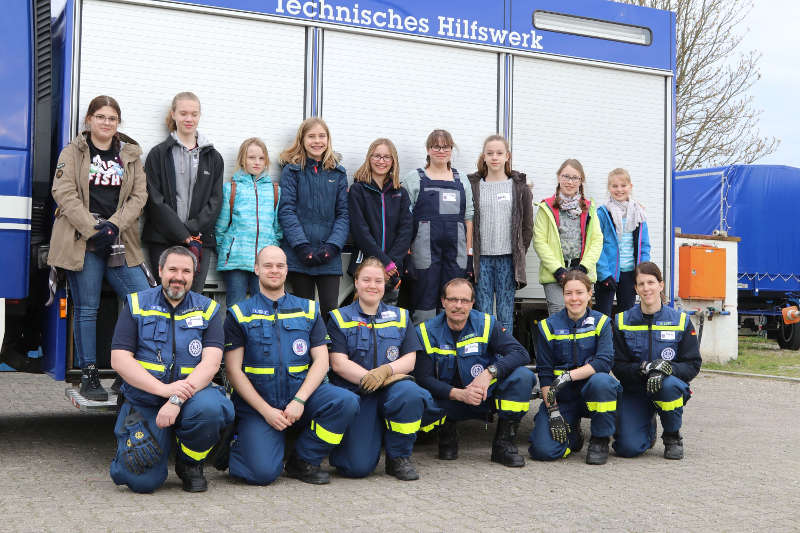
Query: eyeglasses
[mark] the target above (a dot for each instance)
(376, 157)
(566, 177)
(102, 118)
(441, 148)
(462, 301)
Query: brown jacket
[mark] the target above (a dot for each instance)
(74, 224)
(521, 224)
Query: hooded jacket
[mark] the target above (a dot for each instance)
(74, 224)
(608, 264)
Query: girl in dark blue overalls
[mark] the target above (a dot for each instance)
(442, 208)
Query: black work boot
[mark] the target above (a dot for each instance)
(504, 451)
(306, 472)
(402, 468)
(597, 452)
(448, 441)
(191, 474)
(116, 387)
(576, 430)
(91, 389)
(673, 445)
(220, 454)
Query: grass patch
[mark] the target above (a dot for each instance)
(758, 355)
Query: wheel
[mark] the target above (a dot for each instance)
(789, 336)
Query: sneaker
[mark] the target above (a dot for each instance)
(597, 452)
(306, 472)
(673, 445)
(191, 474)
(91, 389)
(402, 468)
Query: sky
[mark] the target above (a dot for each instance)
(773, 31)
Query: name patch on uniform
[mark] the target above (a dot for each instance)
(194, 322)
(388, 314)
(195, 348)
(446, 347)
(667, 354)
(561, 332)
(392, 352)
(476, 370)
(299, 347)
(472, 348)
(449, 197)
(588, 321)
(664, 323)
(667, 335)
(504, 197)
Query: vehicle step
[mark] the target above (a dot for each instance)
(91, 406)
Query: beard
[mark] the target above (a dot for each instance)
(175, 293)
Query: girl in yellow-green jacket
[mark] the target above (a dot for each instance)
(566, 234)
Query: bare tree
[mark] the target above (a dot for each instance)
(717, 124)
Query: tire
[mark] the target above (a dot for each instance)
(789, 336)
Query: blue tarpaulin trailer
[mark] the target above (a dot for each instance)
(757, 203)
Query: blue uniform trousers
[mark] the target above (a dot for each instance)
(597, 400)
(258, 448)
(390, 417)
(635, 424)
(197, 429)
(510, 398)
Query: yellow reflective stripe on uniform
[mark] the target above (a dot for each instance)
(347, 324)
(512, 406)
(433, 425)
(669, 406)
(568, 336)
(197, 456)
(622, 326)
(136, 310)
(240, 318)
(566, 452)
(205, 314)
(428, 348)
(546, 330)
(187, 370)
(600, 323)
(310, 314)
(494, 380)
(257, 370)
(299, 368)
(152, 366)
(602, 407)
(487, 322)
(325, 435)
(558, 372)
(406, 428)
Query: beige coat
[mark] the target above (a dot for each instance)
(74, 224)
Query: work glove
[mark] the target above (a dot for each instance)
(325, 253)
(196, 247)
(394, 378)
(305, 253)
(559, 383)
(373, 379)
(469, 273)
(610, 283)
(141, 449)
(106, 235)
(559, 274)
(558, 426)
(655, 371)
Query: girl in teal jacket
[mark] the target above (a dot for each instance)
(248, 220)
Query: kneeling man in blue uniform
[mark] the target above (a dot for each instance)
(167, 347)
(472, 366)
(276, 357)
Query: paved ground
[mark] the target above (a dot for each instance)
(741, 473)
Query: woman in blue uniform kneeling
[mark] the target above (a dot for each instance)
(656, 356)
(373, 349)
(574, 355)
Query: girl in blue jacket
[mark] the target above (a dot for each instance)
(626, 243)
(313, 214)
(248, 220)
(380, 215)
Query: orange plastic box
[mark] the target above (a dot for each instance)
(702, 272)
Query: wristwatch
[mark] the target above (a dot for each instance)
(174, 400)
(492, 370)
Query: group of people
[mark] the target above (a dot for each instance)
(393, 373)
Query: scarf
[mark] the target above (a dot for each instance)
(631, 211)
(570, 206)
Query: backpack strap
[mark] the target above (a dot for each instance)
(232, 200)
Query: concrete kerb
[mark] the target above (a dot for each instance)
(750, 375)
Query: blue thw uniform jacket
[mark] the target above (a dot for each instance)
(446, 362)
(170, 341)
(565, 344)
(668, 335)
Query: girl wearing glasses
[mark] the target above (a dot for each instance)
(566, 234)
(100, 189)
(380, 218)
(313, 214)
(503, 227)
(442, 229)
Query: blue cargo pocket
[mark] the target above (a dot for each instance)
(421, 248)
